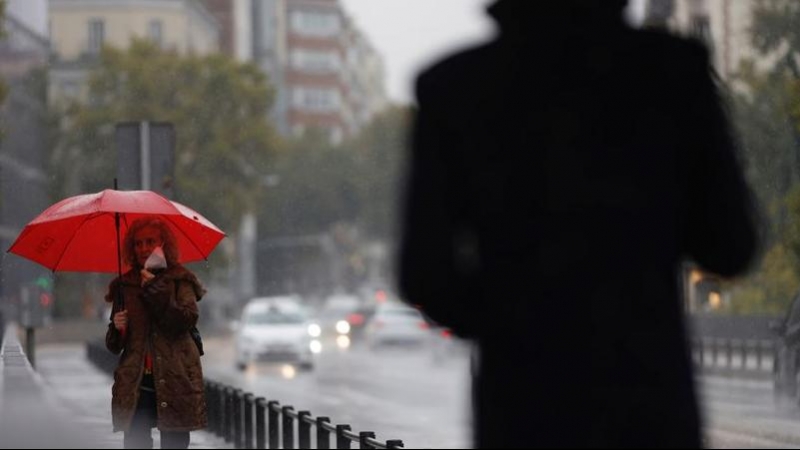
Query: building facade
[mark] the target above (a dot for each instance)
(79, 29)
(724, 25)
(327, 74)
(235, 26)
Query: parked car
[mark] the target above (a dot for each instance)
(275, 329)
(396, 323)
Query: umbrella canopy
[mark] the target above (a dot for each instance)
(79, 234)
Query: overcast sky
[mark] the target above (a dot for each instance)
(410, 34)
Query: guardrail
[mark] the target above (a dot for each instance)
(734, 345)
(248, 421)
(253, 422)
(735, 355)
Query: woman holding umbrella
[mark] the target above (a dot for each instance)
(159, 380)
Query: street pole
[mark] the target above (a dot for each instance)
(30, 345)
(144, 156)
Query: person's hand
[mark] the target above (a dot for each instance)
(121, 320)
(147, 276)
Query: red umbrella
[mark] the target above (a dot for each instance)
(80, 234)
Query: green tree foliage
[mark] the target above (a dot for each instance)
(771, 288)
(317, 186)
(381, 151)
(768, 116)
(769, 137)
(313, 188)
(775, 30)
(218, 106)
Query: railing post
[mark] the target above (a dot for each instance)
(702, 352)
(216, 400)
(219, 401)
(272, 412)
(261, 418)
(228, 402)
(303, 429)
(729, 350)
(209, 385)
(342, 441)
(288, 427)
(249, 400)
(774, 348)
(323, 435)
(363, 437)
(238, 401)
(394, 444)
(759, 355)
(745, 353)
(714, 353)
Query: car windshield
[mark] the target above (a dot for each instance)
(275, 318)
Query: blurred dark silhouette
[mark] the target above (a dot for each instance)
(560, 175)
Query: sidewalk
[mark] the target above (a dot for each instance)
(84, 393)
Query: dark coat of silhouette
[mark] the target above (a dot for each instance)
(560, 175)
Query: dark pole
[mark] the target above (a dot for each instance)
(120, 302)
(30, 341)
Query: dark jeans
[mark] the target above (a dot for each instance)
(144, 420)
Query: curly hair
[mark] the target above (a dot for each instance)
(170, 246)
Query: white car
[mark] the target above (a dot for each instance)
(396, 323)
(275, 329)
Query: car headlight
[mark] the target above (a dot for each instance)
(315, 347)
(342, 327)
(314, 330)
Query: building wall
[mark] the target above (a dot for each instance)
(23, 179)
(243, 30)
(728, 31)
(236, 27)
(269, 51)
(327, 74)
(186, 26)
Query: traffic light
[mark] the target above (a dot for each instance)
(45, 282)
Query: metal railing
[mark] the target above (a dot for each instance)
(735, 355)
(247, 421)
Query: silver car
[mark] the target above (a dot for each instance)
(396, 323)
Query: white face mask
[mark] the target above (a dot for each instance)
(156, 260)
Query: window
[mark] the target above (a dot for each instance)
(315, 61)
(155, 32)
(314, 99)
(97, 36)
(315, 23)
